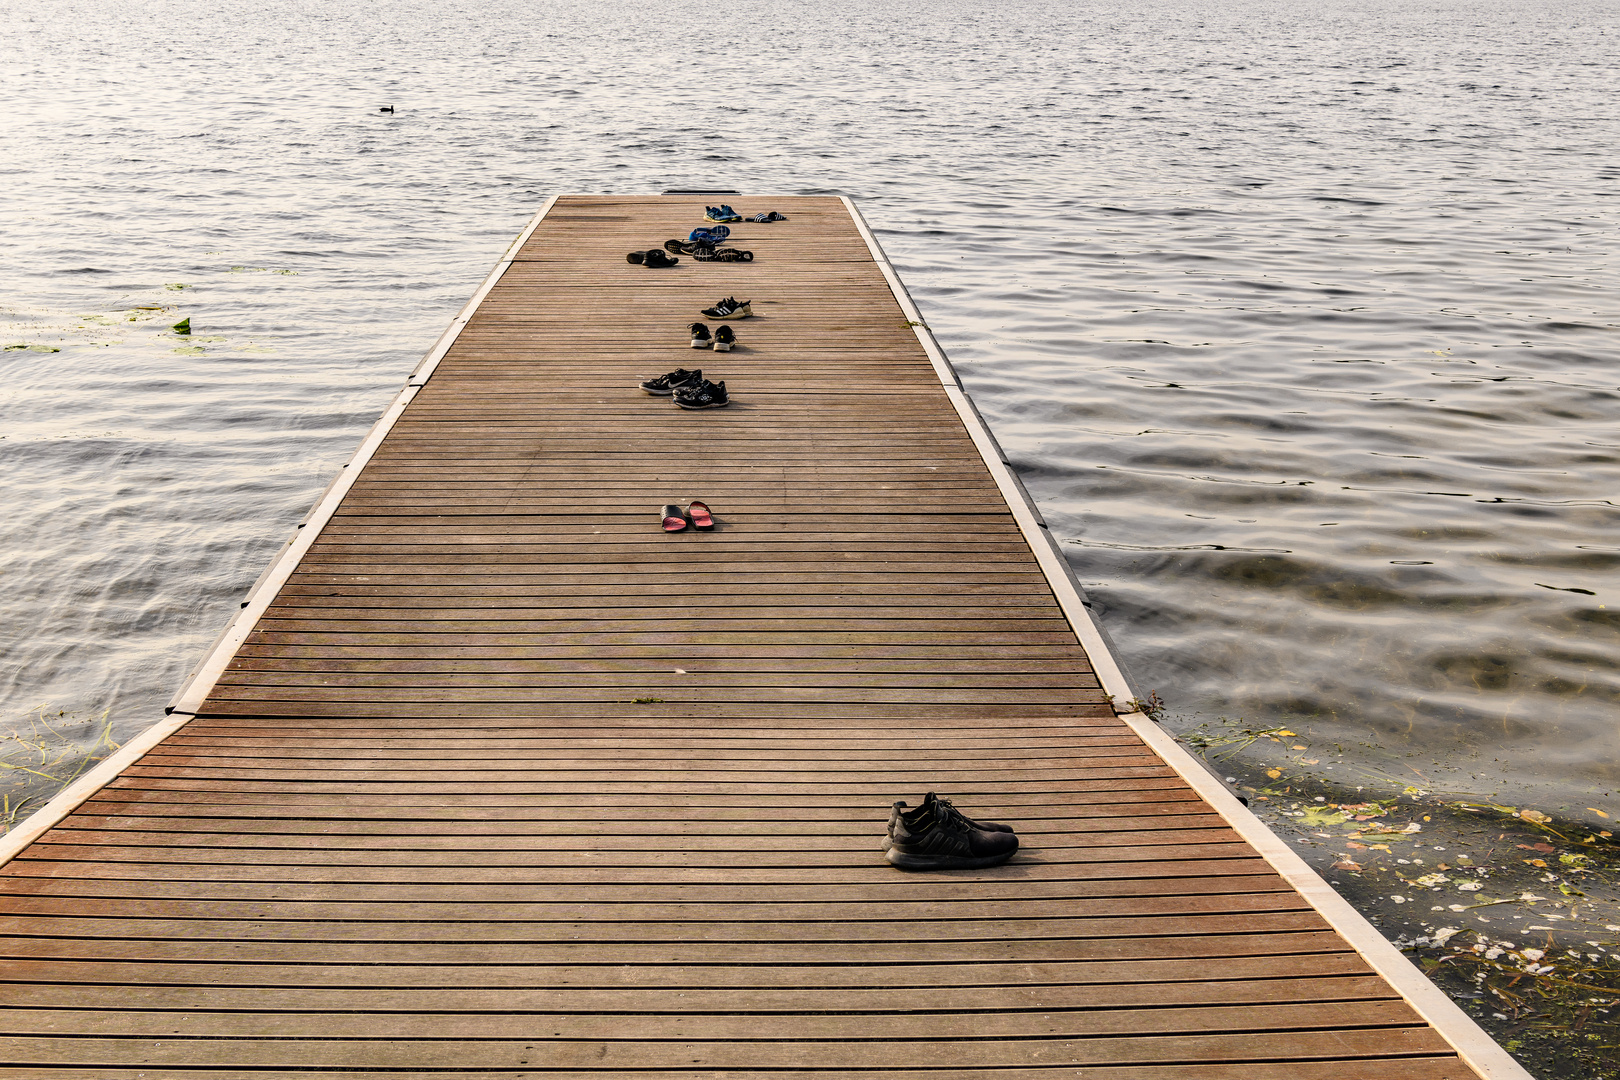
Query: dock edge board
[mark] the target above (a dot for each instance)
(1473, 1045)
(200, 682)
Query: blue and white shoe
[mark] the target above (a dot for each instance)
(708, 236)
(721, 213)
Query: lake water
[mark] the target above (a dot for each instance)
(1300, 321)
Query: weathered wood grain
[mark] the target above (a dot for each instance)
(507, 781)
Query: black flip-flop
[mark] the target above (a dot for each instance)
(674, 520)
(701, 517)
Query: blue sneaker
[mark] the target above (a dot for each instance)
(708, 236)
(731, 215)
(721, 213)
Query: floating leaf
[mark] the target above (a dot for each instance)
(1318, 816)
(183, 326)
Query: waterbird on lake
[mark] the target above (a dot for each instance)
(386, 109)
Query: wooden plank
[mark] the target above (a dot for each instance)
(500, 778)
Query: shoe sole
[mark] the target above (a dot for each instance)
(740, 313)
(700, 343)
(710, 405)
(659, 393)
(721, 346)
(904, 861)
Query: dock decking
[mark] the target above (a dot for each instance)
(493, 778)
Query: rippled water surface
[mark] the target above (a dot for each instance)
(1299, 320)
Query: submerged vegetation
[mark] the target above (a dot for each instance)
(1513, 911)
(44, 752)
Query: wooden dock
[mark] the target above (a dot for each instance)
(492, 778)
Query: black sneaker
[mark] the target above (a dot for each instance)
(721, 254)
(729, 308)
(915, 819)
(654, 258)
(724, 338)
(698, 249)
(665, 385)
(703, 395)
(700, 335)
(942, 839)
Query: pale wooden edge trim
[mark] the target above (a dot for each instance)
(1476, 1048)
(201, 682)
(936, 355)
(65, 801)
(451, 332)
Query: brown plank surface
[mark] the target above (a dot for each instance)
(507, 782)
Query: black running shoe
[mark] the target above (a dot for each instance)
(698, 249)
(722, 254)
(677, 380)
(729, 308)
(724, 338)
(700, 335)
(657, 257)
(911, 820)
(943, 839)
(705, 395)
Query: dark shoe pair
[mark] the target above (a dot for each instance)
(722, 254)
(689, 389)
(938, 836)
(652, 258)
(697, 515)
(703, 395)
(698, 249)
(723, 338)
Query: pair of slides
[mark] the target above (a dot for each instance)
(696, 514)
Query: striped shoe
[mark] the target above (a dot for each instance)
(730, 308)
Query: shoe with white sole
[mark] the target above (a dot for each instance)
(675, 381)
(704, 395)
(700, 335)
(729, 308)
(724, 338)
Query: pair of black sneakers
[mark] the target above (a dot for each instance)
(938, 836)
(689, 389)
